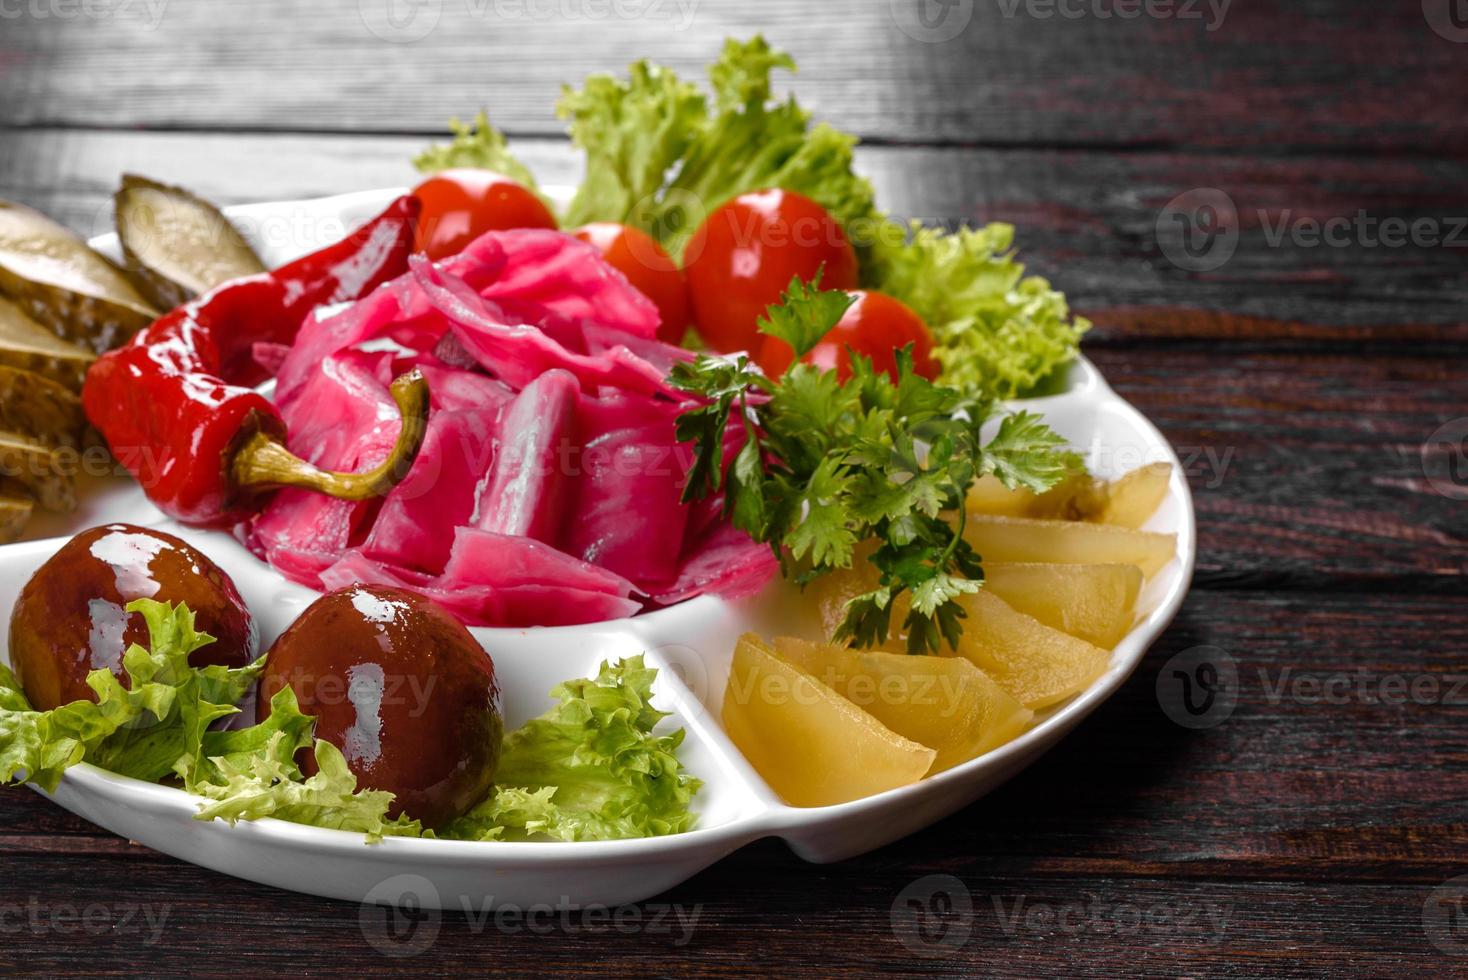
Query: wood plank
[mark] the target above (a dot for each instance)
(1087, 221)
(1211, 73)
(1325, 770)
(1307, 468)
(1307, 464)
(735, 919)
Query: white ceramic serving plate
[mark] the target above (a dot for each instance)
(692, 641)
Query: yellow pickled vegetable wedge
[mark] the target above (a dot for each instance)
(1096, 603)
(1126, 502)
(812, 746)
(989, 496)
(1134, 497)
(1068, 542)
(1038, 665)
(945, 703)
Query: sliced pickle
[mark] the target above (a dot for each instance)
(65, 285)
(15, 509)
(45, 472)
(28, 346)
(177, 245)
(40, 408)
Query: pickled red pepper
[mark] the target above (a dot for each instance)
(176, 404)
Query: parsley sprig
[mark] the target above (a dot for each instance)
(827, 465)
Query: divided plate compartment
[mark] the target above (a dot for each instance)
(691, 645)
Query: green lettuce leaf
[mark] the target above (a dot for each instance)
(145, 729)
(476, 145)
(633, 133)
(996, 330)
(252, 774)
(755, 142)
(657, 158)
(660, 156)
(589, 769)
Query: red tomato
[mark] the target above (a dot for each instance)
(460, 205)
(649, 269)
(746, 252)
(875, 326)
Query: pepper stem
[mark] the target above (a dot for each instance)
(262, 463)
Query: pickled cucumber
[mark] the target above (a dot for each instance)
(15, 509)
(177, 245)
(28, 346)
(47, 473)
(39, 408)
(64, 285)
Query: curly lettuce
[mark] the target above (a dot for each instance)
(590, 768)
(633, 133)
(475, 145)
(252, 773)
(661, 156)
(995, 329)
(147, 729)
(658, 156)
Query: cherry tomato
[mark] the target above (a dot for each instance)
(650, 270)
(875, 326)
(746, 252)
(460, 205)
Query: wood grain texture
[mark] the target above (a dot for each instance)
(1087, 221)
(1307, 469)
(1265, 74)
(1308, 832)
(1316, 824)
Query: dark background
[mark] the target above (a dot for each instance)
(1304, 834)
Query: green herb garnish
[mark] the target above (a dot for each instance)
(827, 465)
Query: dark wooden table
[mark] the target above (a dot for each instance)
(1319, 828)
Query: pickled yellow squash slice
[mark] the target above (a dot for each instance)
(1096, 603)
(945, 703)
(811, 745)
(1037, 665)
